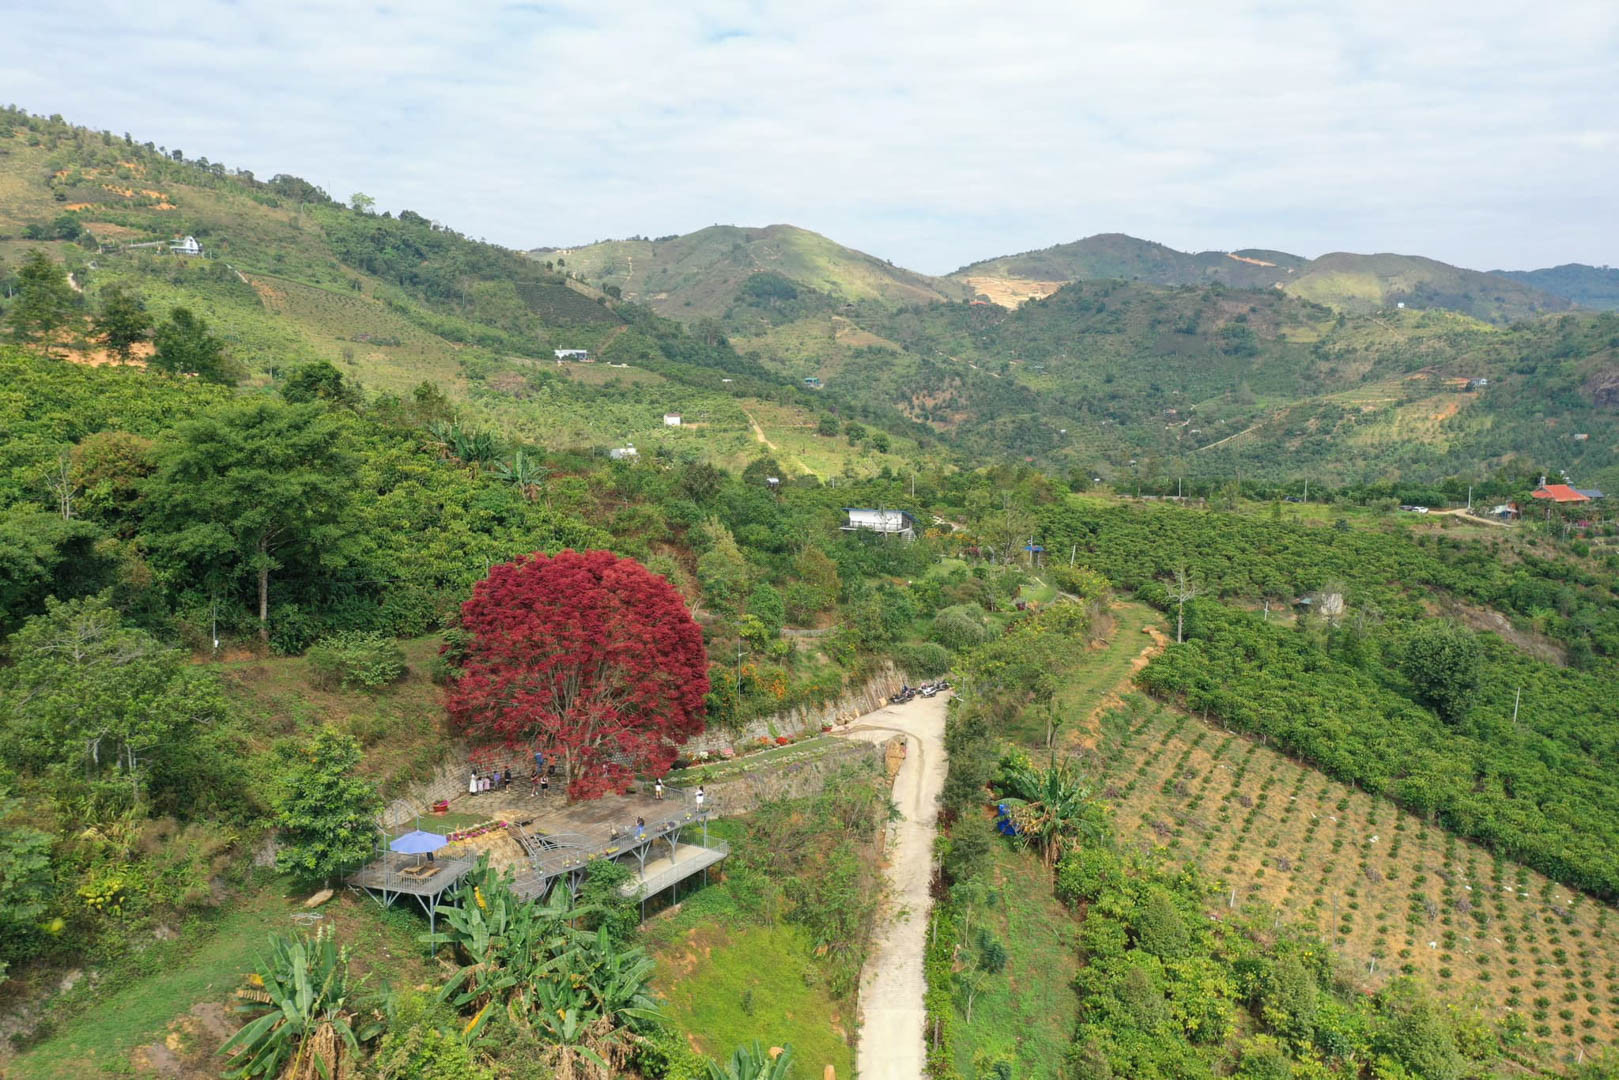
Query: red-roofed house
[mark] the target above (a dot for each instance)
(1559, 493)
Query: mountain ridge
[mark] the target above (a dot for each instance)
(699, 273)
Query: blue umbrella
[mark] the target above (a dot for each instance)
(417, 842)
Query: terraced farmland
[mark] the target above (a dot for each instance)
(1393, 894)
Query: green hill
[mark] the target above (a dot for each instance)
(1127, 380)
(701, 273)
(1347, 281)
(1594, 287)
(1370, 282)
(288, 276)
(1115, 255)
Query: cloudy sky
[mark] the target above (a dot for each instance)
(930, 132)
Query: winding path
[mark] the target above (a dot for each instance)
(892, 986)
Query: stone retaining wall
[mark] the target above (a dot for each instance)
(740, 794)
(449, 780)
(857, 702)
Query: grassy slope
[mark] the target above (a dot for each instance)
(1027, 1013)
(206, 964)
(698, 274)
(725, 984)
(401, 728)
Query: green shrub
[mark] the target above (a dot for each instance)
(921, 661)
(962, 627)
(355, 661)
(1087, 872)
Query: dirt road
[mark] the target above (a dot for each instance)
(891, 986)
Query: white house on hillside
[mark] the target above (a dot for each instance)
(888, 522)
(188, 246)
(623, 453)
(671, 419)
(581, 356)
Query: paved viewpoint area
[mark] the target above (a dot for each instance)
(891, 986)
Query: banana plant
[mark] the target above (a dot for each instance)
(1052, 808)
(751, 1061)
(524, 473)
(302, 1001)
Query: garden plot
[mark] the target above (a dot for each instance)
(1392, 893)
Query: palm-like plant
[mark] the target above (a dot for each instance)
(474, 449)
(1051, 808)
(302, 1000)
(525, 473)
(441, 436)
(751, 1061)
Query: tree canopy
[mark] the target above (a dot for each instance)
(249, 489)
(584, 653)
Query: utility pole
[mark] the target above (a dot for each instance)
(1469, 498)
(1071, 553)
(1515, 700)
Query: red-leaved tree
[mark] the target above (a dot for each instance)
(587, 654)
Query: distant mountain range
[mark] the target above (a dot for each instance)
(1593, 287)
(698, 274)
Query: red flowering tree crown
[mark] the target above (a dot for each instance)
(588, 654)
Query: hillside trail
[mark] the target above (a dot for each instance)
(758, 432)
(892, 986)
(1111, 696)
(1228, 438)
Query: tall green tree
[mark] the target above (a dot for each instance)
(122, 320)
(93, 703)
(44, 299)
(326, 811)
(250, 489)
(1443, 663)
(186, 347)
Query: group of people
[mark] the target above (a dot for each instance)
(482, 782)
(539, 781)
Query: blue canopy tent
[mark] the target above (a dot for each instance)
(420, 842)
(417, 842)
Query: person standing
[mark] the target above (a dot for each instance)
(534, 783)
(657, 790)
(472, 784)
(545, 784)
(700, 797)
(640, 827)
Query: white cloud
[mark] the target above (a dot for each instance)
(930, 133)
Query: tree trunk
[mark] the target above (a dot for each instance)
(264, 591)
